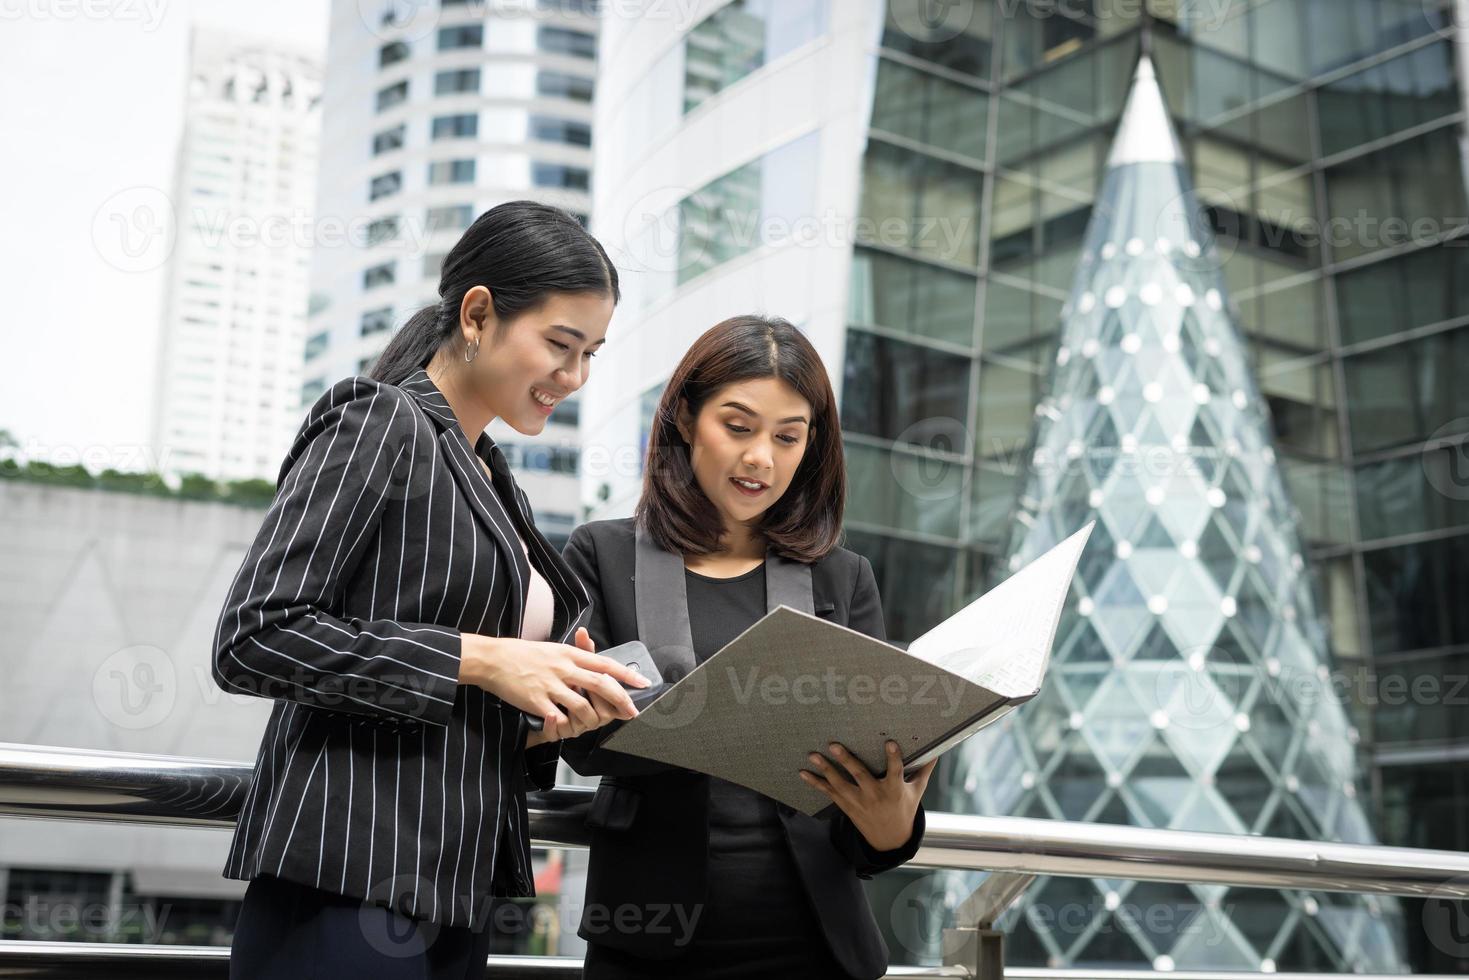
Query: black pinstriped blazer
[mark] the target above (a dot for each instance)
(379, 776)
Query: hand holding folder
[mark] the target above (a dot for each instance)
(793, 683)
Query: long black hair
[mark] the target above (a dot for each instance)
(521, 251)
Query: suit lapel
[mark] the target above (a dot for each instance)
(477, 489)
(487, 497)
(663, 603)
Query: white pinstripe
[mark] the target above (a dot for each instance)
(302, 621)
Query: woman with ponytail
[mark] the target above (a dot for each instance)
(403, 612)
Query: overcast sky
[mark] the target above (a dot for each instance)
(92, 106)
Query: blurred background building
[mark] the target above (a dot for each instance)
(434, 114)
(227, 394)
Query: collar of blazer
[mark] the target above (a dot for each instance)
(487, 501)
(662, 600)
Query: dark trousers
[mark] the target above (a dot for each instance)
(288, 931)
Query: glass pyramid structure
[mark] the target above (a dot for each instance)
(1189, 683)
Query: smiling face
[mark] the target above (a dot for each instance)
(746, 444)
(544, 355)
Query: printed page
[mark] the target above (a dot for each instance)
(1002, 640)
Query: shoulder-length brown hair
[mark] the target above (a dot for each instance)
(806, 522)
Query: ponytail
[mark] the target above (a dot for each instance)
(412, 347)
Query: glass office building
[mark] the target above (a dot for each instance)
(1324, 139)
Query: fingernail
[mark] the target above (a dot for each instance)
(837, 749)
(815, 757)
(893, 747)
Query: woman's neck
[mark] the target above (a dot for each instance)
(740, 550)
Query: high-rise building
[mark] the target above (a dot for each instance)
(911, 183)
(435, 113)
(229, 364)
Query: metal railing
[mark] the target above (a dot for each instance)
(73, 784)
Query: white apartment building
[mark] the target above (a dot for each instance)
(229, 363)
(435, 113)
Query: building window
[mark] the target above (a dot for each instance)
(364, 365)
(560, 175)
(376, 321)
(891, 386)
(560, 40)
(451, 172)
(459, 126)
(392, 95)
(550, 129)
(452, 217)
(461, 36)
(382, 230)
(385, 184)
(723, 219)
(456, 80)
(313, 389)
(389, 139)
(379, 275)
(317, 343)
(433, 265)
(557, 84)
(742, 36)
(392, 53)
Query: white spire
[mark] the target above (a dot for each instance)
(1146, 133)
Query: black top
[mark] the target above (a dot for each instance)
(753, 883)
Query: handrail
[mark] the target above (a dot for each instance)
(65, 783)
(66, 961)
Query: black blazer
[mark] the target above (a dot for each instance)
(650, 821)
(379, 776)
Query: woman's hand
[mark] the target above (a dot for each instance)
(571, 687)
(882, 808)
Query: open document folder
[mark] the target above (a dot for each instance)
(792, 683)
